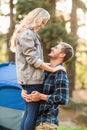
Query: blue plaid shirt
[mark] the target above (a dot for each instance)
(56, 87)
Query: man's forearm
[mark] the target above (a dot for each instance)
(43, 97)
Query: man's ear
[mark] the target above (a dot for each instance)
(62, 55)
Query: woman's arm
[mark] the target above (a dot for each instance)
(45, 66)
(28, 48)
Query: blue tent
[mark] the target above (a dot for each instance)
(11, 102)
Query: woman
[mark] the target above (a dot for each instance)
(29, 60)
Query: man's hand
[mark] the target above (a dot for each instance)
(35, 96)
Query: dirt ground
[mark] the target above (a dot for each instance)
(75, 114)
(80, 95)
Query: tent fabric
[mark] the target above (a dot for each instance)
(10, 118)
(10, 90)
(8, 75)
(11, 97)
(11, 102)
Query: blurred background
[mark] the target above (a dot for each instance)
(68, 23)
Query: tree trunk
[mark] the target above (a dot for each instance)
(52, 10)
(72, 66)
(45, 52)
(11, 56)
(71, 76)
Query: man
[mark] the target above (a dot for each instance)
(55, 89)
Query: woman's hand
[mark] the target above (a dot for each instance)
(25, 96)
(59, 68)
(33, 97)
(45, 66)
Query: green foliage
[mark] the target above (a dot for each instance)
(2, 51)
(71, 128)
(55, 32)
(3, 48)
(24, 6)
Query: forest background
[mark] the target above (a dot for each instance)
(68, 23)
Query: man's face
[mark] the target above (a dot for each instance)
(56, 52)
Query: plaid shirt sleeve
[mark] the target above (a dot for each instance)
(61, 91)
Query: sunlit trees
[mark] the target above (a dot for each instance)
(74, 27)
(55, 31)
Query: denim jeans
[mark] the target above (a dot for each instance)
(31, 109)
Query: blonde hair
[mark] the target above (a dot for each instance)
(27, 22)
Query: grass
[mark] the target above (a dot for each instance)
(71, 128)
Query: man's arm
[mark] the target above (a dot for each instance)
(34, 96)
(37, 96)
(60, 94)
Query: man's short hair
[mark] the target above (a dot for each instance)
(68, 50)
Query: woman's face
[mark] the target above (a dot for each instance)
(41, 24)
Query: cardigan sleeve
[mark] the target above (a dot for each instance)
(27, 41)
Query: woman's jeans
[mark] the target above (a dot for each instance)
(31, 110)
